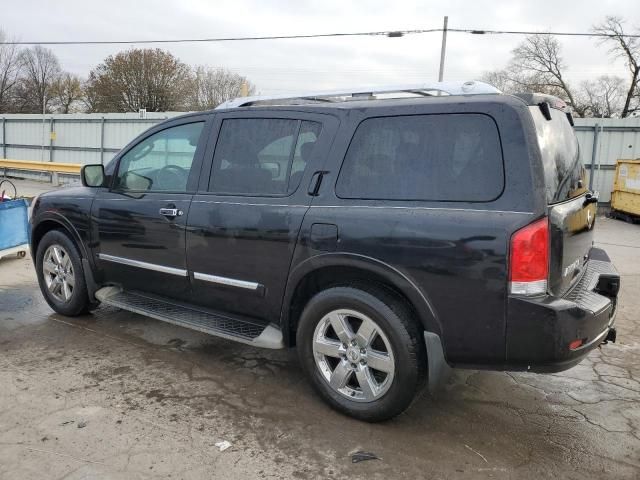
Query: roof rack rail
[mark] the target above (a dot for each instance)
(427, 89)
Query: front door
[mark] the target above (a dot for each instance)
(244, 220)
(140, 220)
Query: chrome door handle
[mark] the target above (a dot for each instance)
(171, 212)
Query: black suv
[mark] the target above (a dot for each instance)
(385, 238)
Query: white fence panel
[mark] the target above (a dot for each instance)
(616, 139)
(95, 138)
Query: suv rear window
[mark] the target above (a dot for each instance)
(564, 174)
(444, 157)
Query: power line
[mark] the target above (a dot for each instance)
(385, 33)
(397, 33)
(557, 34)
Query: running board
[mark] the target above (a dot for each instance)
(213, 324)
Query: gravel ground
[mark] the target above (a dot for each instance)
(118, 395)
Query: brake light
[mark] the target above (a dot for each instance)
(529, 260)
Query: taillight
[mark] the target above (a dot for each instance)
(529, 261)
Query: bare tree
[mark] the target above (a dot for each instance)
(604, 97)
(9, 72)
(501, 79)
(139, 78)
(540, 56)
(627, 48)
(66, 92)
(40, 69)
(212, 86)
(91, 97)
(514, 80)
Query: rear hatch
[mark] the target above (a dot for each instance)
(571, 207)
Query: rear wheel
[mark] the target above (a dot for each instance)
(60, 274)
(362, 351)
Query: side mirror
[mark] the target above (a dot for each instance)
(92, 175)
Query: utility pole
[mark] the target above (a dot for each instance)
(444, 48)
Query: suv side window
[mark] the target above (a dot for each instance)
(442, 157)
(262, 156)
(160, 162)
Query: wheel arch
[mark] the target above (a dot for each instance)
(322, 271)
(54, 221)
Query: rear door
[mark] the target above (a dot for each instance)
(140, 220)
(572, 215)
(244, 220)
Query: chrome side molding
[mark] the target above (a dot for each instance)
(137, 263)
(232, 282)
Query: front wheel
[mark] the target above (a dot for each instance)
(60, 274)
(362, 351)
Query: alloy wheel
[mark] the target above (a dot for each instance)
(57, 270)
(353, 355)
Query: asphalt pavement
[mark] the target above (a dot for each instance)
(117, 395)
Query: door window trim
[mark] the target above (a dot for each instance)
(352, 135)
(329, 125)
(196, 165)
(296, 138)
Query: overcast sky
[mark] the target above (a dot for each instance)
(281, 65)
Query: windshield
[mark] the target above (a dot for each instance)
(564, 174)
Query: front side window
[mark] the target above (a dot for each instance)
(160, 162)
(262, 156)
(444, 157)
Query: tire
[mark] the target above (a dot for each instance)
(68, 296)
(367, 393)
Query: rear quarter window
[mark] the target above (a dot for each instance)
(442, 157)
(564, 174)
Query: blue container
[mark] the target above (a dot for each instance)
(14, 223)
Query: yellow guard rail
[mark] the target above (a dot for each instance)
(72, 168)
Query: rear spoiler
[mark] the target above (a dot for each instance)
(546, 102)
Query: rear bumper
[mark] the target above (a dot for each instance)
(539, 330)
